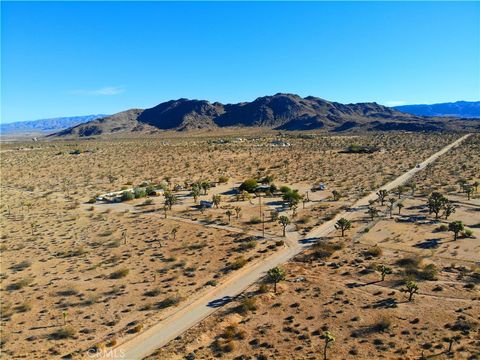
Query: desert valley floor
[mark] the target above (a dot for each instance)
(81, 275)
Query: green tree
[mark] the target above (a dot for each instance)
(435, 203)
(170, 199)
(205, 185)
(292, 197)
(195, 192)
(273, 215)
(276, 275)
(413, 186)
(456, 227)
(448, 209)
(284, 221)
(411, 288)
(343, 225)
(249, 185)
(329, 338)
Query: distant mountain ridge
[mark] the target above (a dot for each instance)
(280, 111)
(465, 109)
(47, 125)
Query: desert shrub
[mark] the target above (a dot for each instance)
(382, 324)
(20, 284)
(468, 233)
(147, 202)
(152, 292)
(263, 288)
(429, 272)
(92, 200)
(24, 307)
(168, 302)
(118, 274)
(223, 179)
(304, 220)
(150, 191)
(442, 227)
(255, 220)
(127, 195)
(411, 261)
(248, 245)
(323, 250)
(238, 263)
(279, 242)
(139, 192)
(211, 283)
(246, 305)
(67, 332)
(137, 328)
(373, 251)
(68, 291)
(21, 265)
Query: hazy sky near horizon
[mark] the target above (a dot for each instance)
(78, 58)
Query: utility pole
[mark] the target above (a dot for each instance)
(263, 225)
(260, 202)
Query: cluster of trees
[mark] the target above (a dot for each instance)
(436, 203)
(467, 188)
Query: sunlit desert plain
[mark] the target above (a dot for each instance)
(80, 275)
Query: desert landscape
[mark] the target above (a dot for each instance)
(239, 180)
(85, 270)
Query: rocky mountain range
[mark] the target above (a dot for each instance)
(46, 125)
(465, 109)
(280, 112)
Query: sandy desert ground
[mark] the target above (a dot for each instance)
(77, 275)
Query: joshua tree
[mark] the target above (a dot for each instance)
(451, 340)
(391, 203)
(413, 186)
(238, 209)
(328, 339)
(216, 199)
(124, 236)
(294, 210)
(343, 225)
(205, 185)
(64, 315)
(174, 233)
(475, 185)
(468, 191)
(435, 203)
(384, 270)
(399, 190)
(229, 213)
(170, 199)
(284, 221)
(382, 194)
(455, 227)
(273, 215)
(462, 183)
(276, 275)
(372, 211)
(336, 195)
(400, 206)
(448, 209)
(165, 209)
(411, 288)
(195, 192)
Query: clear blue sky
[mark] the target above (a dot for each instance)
(69, 58)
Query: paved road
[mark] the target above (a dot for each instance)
(193, 312)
